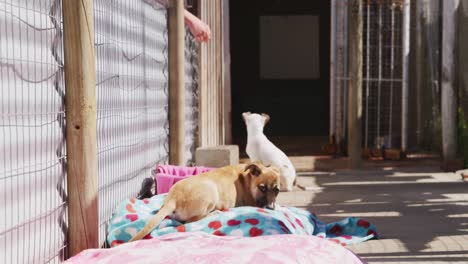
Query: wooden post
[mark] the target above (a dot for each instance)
(333, 98)
(176, 82)
(226, 64)
(341, 72)
(355, 25)
(405, 51)
(80, 106)
(420, 68)
(449, 94)
(212, 98)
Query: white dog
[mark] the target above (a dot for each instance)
(259, 148)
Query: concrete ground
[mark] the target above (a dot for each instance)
(420, 212)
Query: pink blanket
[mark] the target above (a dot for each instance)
(205, 248)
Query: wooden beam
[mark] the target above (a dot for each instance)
(212, 98)
(449, 76)
(420, 67)
(202, 83)
(405, 51)
(355, 25)
(80, 85)
(226, 65)
(333, 98)
(176, 82)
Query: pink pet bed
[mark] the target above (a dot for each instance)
(168, 175)
(206, 248)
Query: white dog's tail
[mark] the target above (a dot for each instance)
(165, 210)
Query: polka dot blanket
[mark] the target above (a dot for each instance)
(132, 215)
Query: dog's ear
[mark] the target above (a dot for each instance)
(245, 115)
(253, 169)
(266, 117)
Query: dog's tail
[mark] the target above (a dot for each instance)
(167, 209)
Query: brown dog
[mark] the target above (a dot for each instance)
(194, 198)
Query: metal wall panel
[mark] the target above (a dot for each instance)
(32, 137)
(132, 98)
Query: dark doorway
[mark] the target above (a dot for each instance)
(280, 62)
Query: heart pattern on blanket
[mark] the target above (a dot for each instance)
(363, 223)
(255, 232)
(239, 221)
(218, 233)
(215, 225)
(233, 222)
(132, 217)
(252, 221)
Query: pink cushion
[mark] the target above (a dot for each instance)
(168, 175)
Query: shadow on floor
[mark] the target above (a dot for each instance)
(421, 213)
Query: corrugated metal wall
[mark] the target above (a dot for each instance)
(132, 116)
(132, 98)
(32, 140)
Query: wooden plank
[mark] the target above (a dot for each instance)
(405, 51)
(226, 62)
(80, 85)
(212, 99)
(449, 94)
(355, 25)
(341, 71)
(219, 70)
(420, 75)
(333, 36)
(202, 84)
(176, 82)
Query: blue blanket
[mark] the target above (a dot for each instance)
(132, 215)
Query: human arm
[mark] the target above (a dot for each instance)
(199, 29)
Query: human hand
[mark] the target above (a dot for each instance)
(199, 29)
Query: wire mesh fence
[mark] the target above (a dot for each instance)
(32, 139)
(191, 97)
(132, 98)
(131, 53)
(382, 73)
